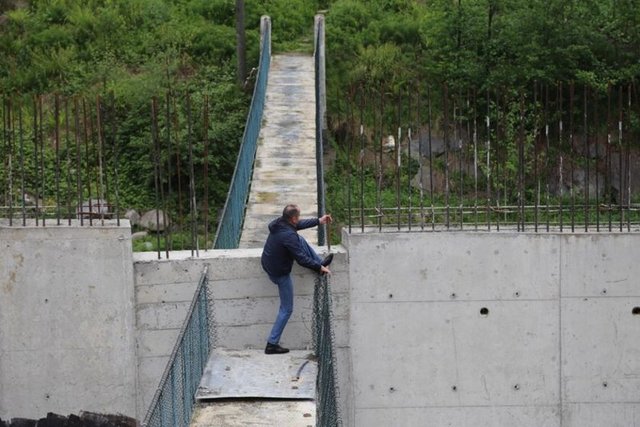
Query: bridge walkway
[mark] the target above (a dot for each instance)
(285, 165)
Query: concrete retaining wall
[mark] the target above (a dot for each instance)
(67, 340)
(494, 329)
(245, 306)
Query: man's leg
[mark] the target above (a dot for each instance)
(285, 289)
(312, 253)
(308, 249)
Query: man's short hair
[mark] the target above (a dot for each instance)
(291, 211)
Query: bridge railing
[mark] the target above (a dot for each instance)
(230, 225)
(172, 404)
(321, 122)
(327, 393)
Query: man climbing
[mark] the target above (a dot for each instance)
(283, 246)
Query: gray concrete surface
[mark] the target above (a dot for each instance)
(67, 325)
(285, 165)
(242, 374)
(300, 413)
(557, 346)
(245, 306)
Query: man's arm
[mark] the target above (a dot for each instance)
(312, 222)
(307, 223)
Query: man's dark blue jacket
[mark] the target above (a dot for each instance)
(283, 246)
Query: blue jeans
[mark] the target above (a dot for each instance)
(285, 289)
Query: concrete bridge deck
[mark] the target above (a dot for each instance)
(285, 166)
(249, 388)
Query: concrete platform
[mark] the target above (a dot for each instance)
(299, 413)
(250, 388)
(247, 374)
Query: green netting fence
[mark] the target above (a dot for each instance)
(327, 392)
(173, 402)
(230, 226)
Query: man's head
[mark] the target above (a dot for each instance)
(291, 213)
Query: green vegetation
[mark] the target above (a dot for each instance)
(384, 54)
(127, 52)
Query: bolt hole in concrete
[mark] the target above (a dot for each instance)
(517, 294)
(605, 384)
(604, 292)
(453, 295)
(516, 387)
(454, 388)
(392, 389)
(484, 312)
(390, 295)
(636, 311)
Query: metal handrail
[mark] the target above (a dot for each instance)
(172, 404)
(230, 225)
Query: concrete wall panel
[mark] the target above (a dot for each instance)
(600, 415)
(600, 265)
(563, 322)
(447, 354)
(461, 416)
(67, 324)
(601, 349)
(440, 267)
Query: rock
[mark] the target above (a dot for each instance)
(634, 165)
(94, 208)
(150, 220)
(133, 216)
(139, 235)
(437, 144)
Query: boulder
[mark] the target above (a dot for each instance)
(139, 235)
(133, 216)
(155, 220)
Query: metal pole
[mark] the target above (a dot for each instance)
(433, 216)
(156, 174)
(57, 149)
(67, 145)
(100, 169)
(192, 186)
(475, 157)
(609, 178)
(560, 129)
(361, 158)
(42, 177)
(620, 163)
(586, 159)
(571, 150)
(547, 147)
(488, 148)
(114, 132)
(445, 108)
(86, 149)
(206, 173)
(78, 163)
(22, 171)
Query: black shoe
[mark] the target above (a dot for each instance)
(275, 349)
(325, 262)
